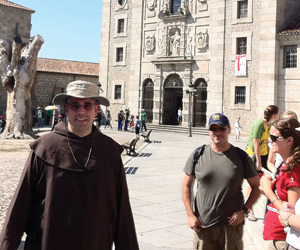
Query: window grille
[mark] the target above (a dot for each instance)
(118, 89)
(242, 9)
(242, 46)
(121, 25)
(290, 56)
(119, 55)
(240, 95)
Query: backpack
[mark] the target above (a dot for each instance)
(199, 152)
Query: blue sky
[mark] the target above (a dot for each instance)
(71, 29)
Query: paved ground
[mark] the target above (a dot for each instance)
(155, 189)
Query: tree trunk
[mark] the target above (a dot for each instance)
(18, 69)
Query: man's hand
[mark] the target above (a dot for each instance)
(282, 216)
(195, 224)
(236, 218)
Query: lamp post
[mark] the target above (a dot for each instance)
(191, 91)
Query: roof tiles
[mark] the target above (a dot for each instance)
(67, 67)
(14, 5)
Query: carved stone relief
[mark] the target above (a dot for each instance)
(151, 4)
(201, 40)
(160, 41)
(189, 44)
(150, 43)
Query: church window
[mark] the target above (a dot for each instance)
(290, 56)
(242, 45)
(242, 9)
(121, 25)
(119, 55)
(118, 92)
(240, 95)
(175, 5)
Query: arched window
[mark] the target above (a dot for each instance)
(175, 5)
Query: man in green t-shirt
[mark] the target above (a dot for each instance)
(218, 216)
(144, 119)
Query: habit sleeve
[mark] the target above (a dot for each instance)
(20, 206)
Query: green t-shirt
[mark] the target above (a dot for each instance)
(258, 131)
(144, 116)
(219, 178)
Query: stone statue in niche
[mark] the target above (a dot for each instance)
(151, 4)
(175, 44)
(150, 43)
(201, 40)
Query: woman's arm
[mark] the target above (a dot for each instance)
(271, 161)
(256, 144)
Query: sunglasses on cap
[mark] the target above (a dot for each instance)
(214, 129)
(274, 138)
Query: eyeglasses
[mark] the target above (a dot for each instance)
(214, 129)
(75, 106)
(274, 138)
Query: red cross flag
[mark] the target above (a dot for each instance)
(240, 65)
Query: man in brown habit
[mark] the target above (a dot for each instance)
(73, 192)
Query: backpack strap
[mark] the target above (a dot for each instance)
(197, 154)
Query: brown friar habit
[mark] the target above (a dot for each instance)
(64, 206)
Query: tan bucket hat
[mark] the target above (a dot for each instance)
(80, 89)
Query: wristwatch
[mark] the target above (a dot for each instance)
(246, 210)
(286, 221)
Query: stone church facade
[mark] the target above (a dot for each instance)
(240, 56)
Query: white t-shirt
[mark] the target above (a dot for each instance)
(293, 236)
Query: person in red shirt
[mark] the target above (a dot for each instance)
(285, 140)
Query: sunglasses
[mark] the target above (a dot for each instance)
(214, 129)
(76, 106)
(274, 138)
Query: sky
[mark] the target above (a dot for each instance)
(71, 28)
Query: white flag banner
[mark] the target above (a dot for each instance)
(240, 65)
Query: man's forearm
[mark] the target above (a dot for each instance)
(187, 200)
(254, 195)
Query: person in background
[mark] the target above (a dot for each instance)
(237, 125)
(137, 126)
(257, 147)
(40, 116)
(99, 118)
(2, 124)
(144, 120)
(179, 116)
(73, 192)
(120, 120)
(127, 114)
(108, 119)
(285, 140)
